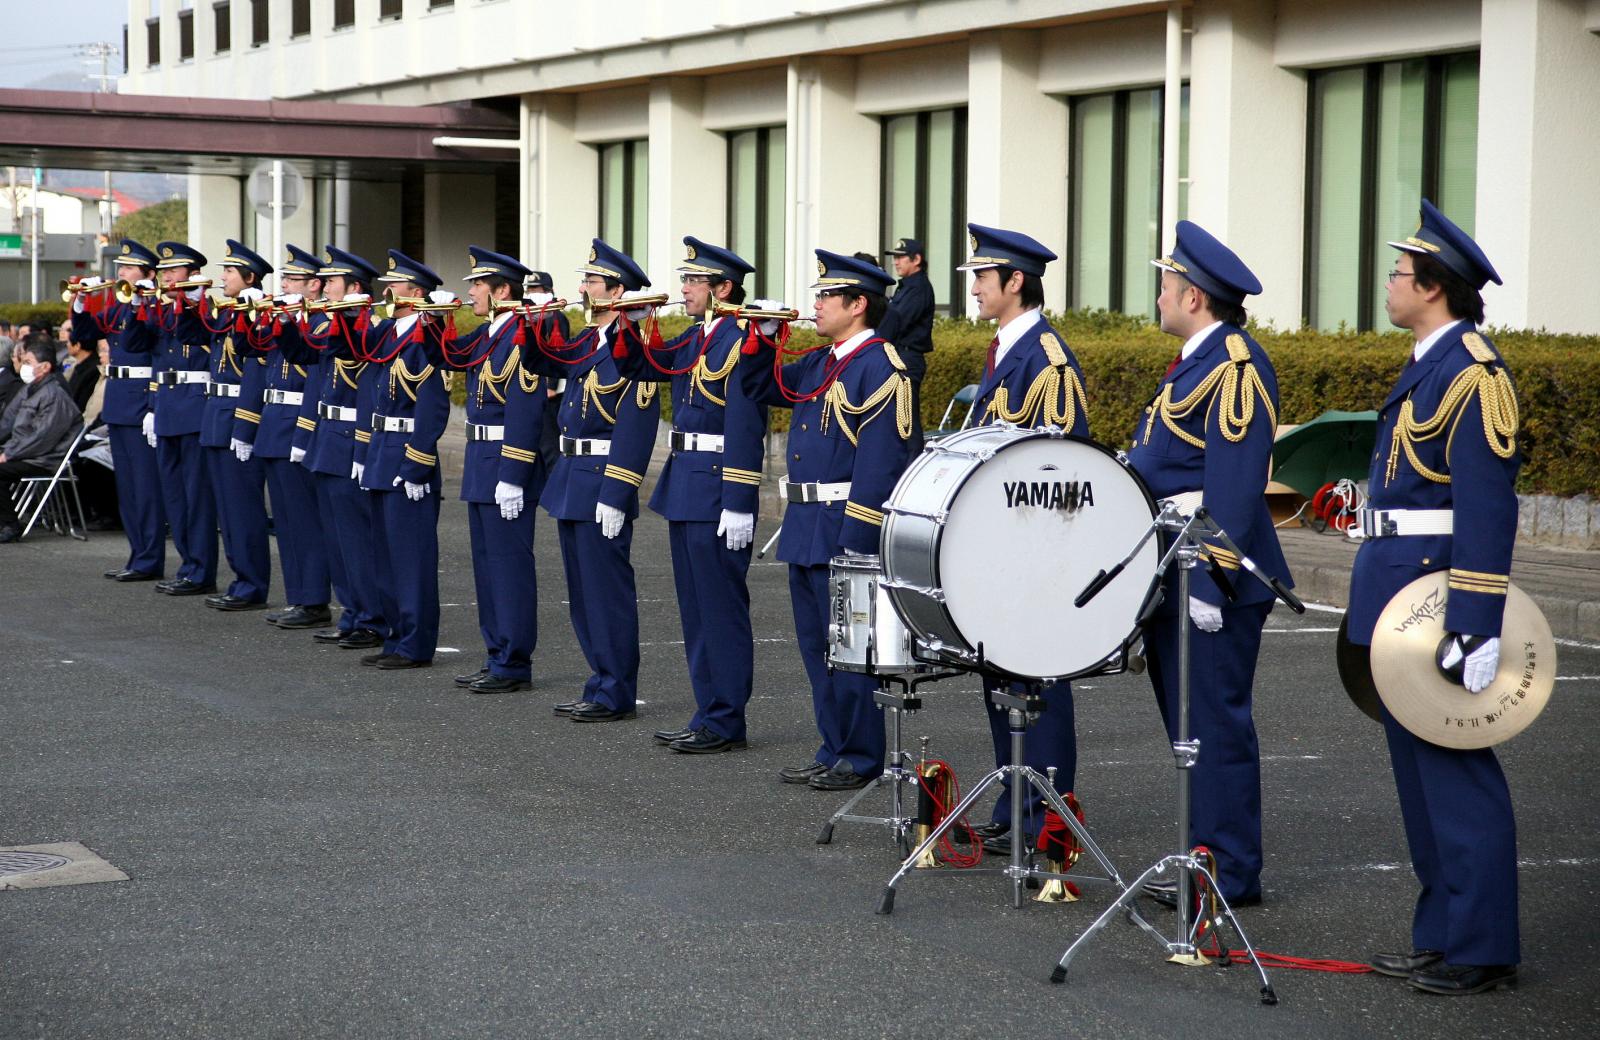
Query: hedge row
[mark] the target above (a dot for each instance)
(50, 314)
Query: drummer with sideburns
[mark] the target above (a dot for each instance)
(1030, 378)
(1209, 429)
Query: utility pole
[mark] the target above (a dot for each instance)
(108, 214)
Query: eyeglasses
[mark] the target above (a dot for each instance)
(1400, 274)
(694, 279)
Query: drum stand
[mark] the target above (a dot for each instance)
(1183, 948)
(897, 771)
(1019, 708)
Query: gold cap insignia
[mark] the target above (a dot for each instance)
(594, 254)
(822, 268)
(972, 241)
(166, 251)
(327, 256)
(472, 261)
(900, 243)
(391, 263)
(691, 253)
(126, 249)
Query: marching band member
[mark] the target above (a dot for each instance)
(1030, 378)
(183, 353)
(847, 447)
(1447, 446)
(1210, 429)
(539, 289)
(498, 480)
(238, 480)
(126, 404)
(708, 491)
(270, 424)
(608, 427)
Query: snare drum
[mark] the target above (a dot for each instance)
(864, 632)
(992, 532)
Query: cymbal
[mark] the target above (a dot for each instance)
(1431, 706)
(1355, 672)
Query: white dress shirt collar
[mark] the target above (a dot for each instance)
(1425, 345)
(848, 347)
(1192, 344)
(1012, 331)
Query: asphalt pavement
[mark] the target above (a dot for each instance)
(315, 849)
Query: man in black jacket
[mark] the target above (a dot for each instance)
(43, 423)
(85, 372)
(909, 323)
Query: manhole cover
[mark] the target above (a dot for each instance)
(12, 863)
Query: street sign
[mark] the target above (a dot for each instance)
(259, 189)
(11, 247)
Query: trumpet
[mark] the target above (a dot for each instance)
(270, 305)
(524, 308)
(193, 283)
(591, 307)
(393, 301)
(322, 306)
(127, 292)
(722, 308)
(71, 287)
(220, 299)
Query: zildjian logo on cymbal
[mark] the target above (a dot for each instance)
(1429, 609)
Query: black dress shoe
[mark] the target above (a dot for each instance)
(840, 778)
(1000, 845)
(133, 575)
(373, 659)
(166, 584)
(113, 572)
(1460, 980)
(185, 587)
(1166, 893)
(464, 681)
(231, 603)
(665, 737)
(1401, 965)
(594, 711)
(328, 635)
(706, 742)
(568, 707)
(983, 832)
(499, 684)
(271, 617)
(361, 639)
(801, 774)
(303, 617)
(396, 662)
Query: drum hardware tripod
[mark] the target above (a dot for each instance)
(897, 767)
(1020, 708)
(1187, 546)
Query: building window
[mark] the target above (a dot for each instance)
(260, 22)
(186, 35)
(1382, 137)
(152, 41)
(925, 195)
(434, 5)
(625, 195)
(344, 13)
(300, 18)
(389, 9)
(755, 205)
(1115, 207)
(222, 16)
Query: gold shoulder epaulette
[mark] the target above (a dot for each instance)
(1481, 352)
(743, 323)
(894, 356)
(322, 330)
(1238, 349)
(1053, 351)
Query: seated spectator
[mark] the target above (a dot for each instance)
(10, 384)
(97, 484)
(83, 375)
(8, 335)
(43, 422)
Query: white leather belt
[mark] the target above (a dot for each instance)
(485, 433)
(335, 412)
(580, 446)
(127, 371)
(174, 378)
(294, 397)
(1387, 523)
(813, 492)
(393, 424)
(222, 389)
(695, 441)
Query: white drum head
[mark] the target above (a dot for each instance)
(1028, 530)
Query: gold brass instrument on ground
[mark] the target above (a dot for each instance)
(722, 308)
(71, 287)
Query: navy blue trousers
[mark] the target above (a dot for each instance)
(1463, 840)
(714, 602)
(300, 546)
(241, 493)
(345, 517)
(406, 537)
(507, 582)
(191, 511)
(604, 608)
(1052, 740)
(144, 520)
(1225, 784)
(850, 724)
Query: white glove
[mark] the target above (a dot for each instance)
(609, 518)
(357, 297)
(250, 295)
(635, 314)
(1478, 671)
(149, 428)
(297, 454)
(443, 296)
(77, 303)
(91, 281)
(144, 283)
(509, 498)
(1205, 617)
(195, 294)
(290, 300)
(767, 326)
(356, 470)
(241, 450)
(416, 492)
(538, 299)
(739, 528)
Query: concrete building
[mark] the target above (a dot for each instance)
(1303, 132)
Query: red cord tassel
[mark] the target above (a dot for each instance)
(239, 324)
(416, 333)
(140, 314)
(361, 320)
(519, 338)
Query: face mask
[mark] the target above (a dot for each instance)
(26, 373)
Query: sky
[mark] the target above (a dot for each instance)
(38, 41)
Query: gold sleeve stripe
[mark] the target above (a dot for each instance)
(518, 454)
(1487, 590)
(364, 436)
(306, 423)
(733, 477)
(154, 387)
(421, 457)
(731, 472)
(1482, 577)
(247, 415)
(627, 476)
(864, 514)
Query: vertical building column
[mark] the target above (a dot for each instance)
(688, 177)
(1247, 132)
(216, 211)
(458, 211)
(832, 181)
(562, 212)
(1539, 73)
(1017, 148)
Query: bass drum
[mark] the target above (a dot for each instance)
(992, 532)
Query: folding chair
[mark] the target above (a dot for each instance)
(965, 396)
(46, 496)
